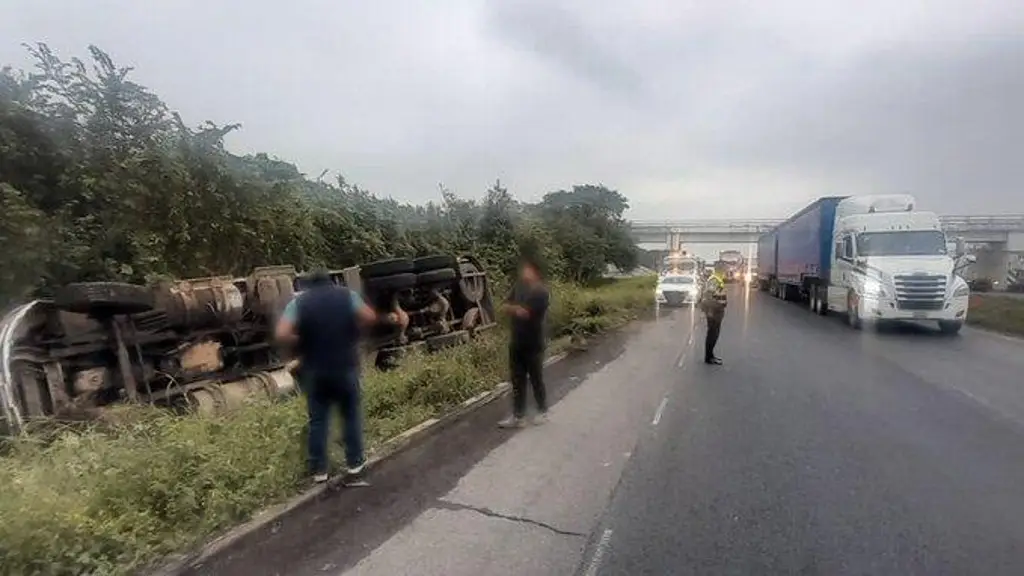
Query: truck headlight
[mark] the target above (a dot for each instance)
(872, 289)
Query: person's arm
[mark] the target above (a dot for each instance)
(285, 331)
(510, 306)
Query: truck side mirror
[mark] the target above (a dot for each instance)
(961, 247)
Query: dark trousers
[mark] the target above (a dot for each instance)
(323, 393)
(711, 338)
(527, 364)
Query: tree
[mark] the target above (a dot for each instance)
(101, 180)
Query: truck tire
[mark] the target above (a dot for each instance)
(391, 283)
(822, 309)
(471, 287)
(390, 267)
(104, 298)
(440, 276)
(950, 327)
(436, 262)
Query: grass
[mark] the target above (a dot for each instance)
(997, 312)
(111, 500)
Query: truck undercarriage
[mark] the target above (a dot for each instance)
(206, 343)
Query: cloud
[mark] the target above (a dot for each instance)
(726, 108)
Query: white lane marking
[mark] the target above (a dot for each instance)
(661, 410)
(602, 547)
(682, 359)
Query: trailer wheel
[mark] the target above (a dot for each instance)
(390, 283)
(812, 299)
(471, 283)
(440, 276)
(436, 262)
(104, 298)
(390, 267)
(822, 309)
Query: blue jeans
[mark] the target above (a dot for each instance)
(324, 392)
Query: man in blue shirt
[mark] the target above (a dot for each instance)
(323, 324)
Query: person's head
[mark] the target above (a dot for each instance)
(529, 271)
(319, 278)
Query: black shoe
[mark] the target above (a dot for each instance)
(715, 361)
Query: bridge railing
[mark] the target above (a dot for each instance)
(1001, 223)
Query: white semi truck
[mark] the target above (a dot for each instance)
(870, 258)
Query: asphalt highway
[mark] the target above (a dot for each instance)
(815, 449)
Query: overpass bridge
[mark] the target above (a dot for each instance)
(997, 240)
(674, 233)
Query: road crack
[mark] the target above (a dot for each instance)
(449, 505)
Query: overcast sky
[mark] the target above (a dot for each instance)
(692, 109)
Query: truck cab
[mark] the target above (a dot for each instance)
(891, 262)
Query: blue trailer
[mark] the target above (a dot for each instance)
(796, 256)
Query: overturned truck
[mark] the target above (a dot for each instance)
(206, 343)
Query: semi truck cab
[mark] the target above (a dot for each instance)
(890, 262)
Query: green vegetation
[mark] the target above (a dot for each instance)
(108, 500)
(100, 180)
(1001, 313)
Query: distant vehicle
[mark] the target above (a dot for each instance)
(680, 263)
(750, 272)
(872, 258)
(731, 263)
(678, 289)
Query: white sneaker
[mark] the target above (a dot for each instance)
(540, 419)
(356, 470)
(511, 422)
(320, 478)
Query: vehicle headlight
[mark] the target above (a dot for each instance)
(872, 289)
(961, 291)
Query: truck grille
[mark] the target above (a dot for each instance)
(920, 292)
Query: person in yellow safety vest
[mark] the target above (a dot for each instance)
(712, 302)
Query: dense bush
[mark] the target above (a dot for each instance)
(105, 501)
(99, 179)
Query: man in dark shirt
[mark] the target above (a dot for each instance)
(323, 324)
(527, 305)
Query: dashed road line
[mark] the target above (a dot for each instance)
(660, 411)
(599, 552)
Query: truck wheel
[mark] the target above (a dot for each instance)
(390, 267)
(471, 284)
(104, 298)
(437, 262)
(853, 312)
(812, 299)
(390, 283)
(822, 309)
(440, 276)
(950, 327)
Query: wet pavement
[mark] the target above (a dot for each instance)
(814, 450)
